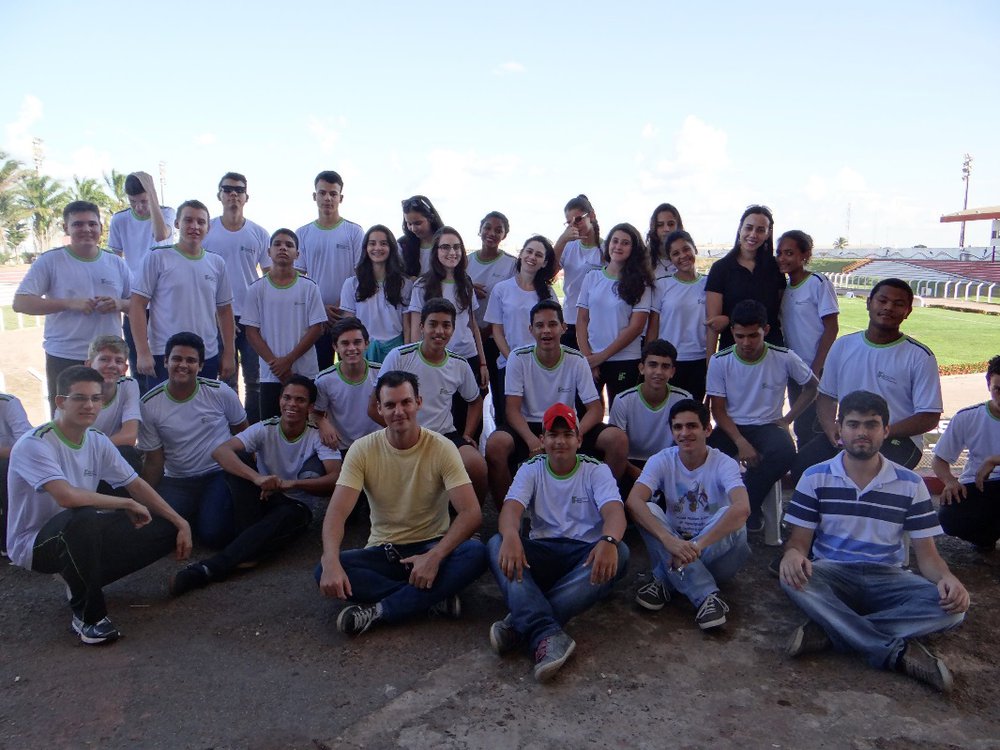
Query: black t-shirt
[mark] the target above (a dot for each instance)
(735, 283)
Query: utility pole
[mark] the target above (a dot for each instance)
(38, 154)
(966, 171)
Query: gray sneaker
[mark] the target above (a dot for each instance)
(355, 619)
(920, 664)
(712, 612)
(807, 638)
(551, 654)
(450, 608)
(97, 633)
(503, 637)
(653, 596)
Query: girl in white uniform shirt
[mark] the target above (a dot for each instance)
(487, 268)
(678, 314)
(448, 277)
(379, 294)
(613, 309)
(420, 221)
(578, 251)
(509, 309)
(665, 220)
(809, 318)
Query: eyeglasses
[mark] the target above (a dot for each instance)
(451, 249)
(79, 398)
(238, 189)
(418, 204)
(575, 221)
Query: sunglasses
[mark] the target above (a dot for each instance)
(577, 220)
(418, 204)
(238, 189)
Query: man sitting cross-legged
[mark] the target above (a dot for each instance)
(272, 499)
(858, 597)
(415, 561)
(574, 554)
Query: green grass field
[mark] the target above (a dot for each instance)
(10, 322)
(961, 341)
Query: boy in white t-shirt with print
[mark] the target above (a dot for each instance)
(574, 554)
(700, 540)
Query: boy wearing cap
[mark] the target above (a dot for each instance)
(574, 554)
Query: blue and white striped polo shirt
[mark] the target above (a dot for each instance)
(855, 524)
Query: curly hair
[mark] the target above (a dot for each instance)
(636, 275)
(543, 279)
(658, 251)
(432, 280)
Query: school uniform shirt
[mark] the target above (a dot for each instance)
(44, 455)
(755, 391)
(123, 407)
(242, 250)
(189, 430)
(438, 383)
(647, 426)
(284, 314)
(511, 306)
(184, 294)
(463, 342)
(564, 506)
(693, 496)
(904, 373)
(383, 320)
(975, 428)
(346, 402)
(489, 273)
(131, 236)
(13, 420)
(577, 261)
(329, 256)
(681, 307)
(803, 307)
(278, 455)
(609, 314)
(59, 274)
(539, 386)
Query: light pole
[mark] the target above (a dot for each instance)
(966, 171)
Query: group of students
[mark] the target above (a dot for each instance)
(366, 363)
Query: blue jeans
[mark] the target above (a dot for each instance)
(204, 502)
(209, 369)
(719, 562)
(871, 608)
(377, 578)
(556, 588)
(248, 362)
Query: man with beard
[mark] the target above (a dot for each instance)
(853, 510)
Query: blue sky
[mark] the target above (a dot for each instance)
(519, 106)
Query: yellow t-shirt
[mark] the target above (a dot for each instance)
(407, 489)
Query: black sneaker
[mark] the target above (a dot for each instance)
(188, 578)
(551, 654)
(97, 633)
(755, 523)
(503, 637)
(920, 664)
(712, 612)
(807, 638)
(450, 608)
(356, 619)
(652, 596)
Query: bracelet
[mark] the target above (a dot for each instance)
(609, 539)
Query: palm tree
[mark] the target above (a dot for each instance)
(89, 189)
(840, 243)
(13, 227)
(116, 184)
(44, 198)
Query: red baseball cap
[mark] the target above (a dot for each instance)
(559, 411)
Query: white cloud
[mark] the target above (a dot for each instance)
(851, 181)
(700, 147)
(326, 130)
(815, 188)
(18, 133)
(649, 131)
(206, 139)
(452, 172)
(508, 67)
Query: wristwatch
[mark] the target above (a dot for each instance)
(609, 539)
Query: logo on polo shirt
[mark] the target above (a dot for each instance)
(107, 282)
(565, 389)
(579, 499)
(244, 249)
(341, 245)
(89, 473)
(887, 377)
(209, 277)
